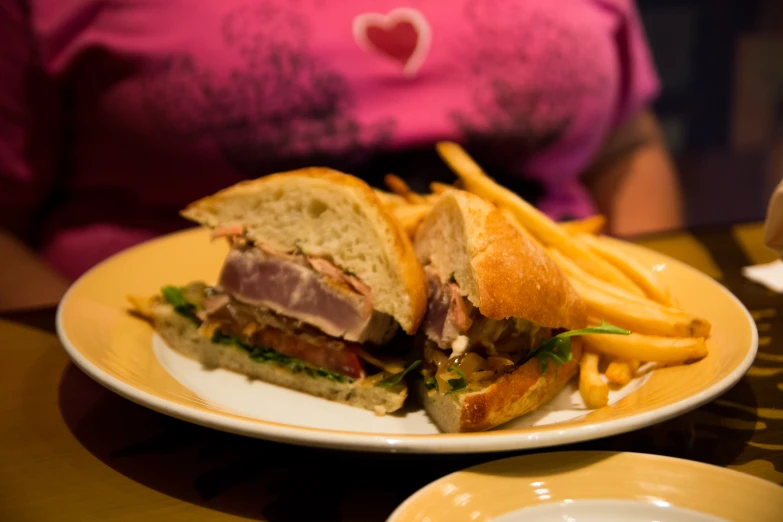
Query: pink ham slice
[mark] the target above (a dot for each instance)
(293, 289)
(226, 231)
(448, 315)
(325, 267)
(458, 311)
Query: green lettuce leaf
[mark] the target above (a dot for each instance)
(398, 377)
(175, 298)
(458, 384)
(558, 348)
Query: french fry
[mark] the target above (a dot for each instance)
(547, 231)
(663, 350)
(519, 226)
(440, 188)
(574, 271)
(599, 295)
(621, 372)
(589, 225)
(141, 305)
(397, 185)
(390, 200)
(594, 391)
(638, 315)
(643, 276)
(411, 216)
(430, 199)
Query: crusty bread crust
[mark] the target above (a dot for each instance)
(502, 272)
(181, 335)
(400, 288)
(522, 391)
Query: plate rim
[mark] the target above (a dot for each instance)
(416, 495)
(441, 443)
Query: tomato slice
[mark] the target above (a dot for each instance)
(328, 357)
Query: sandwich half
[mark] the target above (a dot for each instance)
(318, 279)
(495, 300)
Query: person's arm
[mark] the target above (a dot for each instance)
(26, 282)
(634, 181)
(28, 161)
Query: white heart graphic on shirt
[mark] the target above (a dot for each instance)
(402, 35)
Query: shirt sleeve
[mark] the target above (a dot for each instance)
(29, 116)
(639, 83)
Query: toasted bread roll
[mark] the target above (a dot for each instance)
(329, 214)
(509, 279)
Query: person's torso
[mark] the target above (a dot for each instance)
(171, 100)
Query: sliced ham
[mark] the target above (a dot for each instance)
(325, 267)
(458, 310)
(437, 311)
(227, 231)
(448, 315)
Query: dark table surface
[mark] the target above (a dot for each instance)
(72, 450)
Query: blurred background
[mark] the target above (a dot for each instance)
(721, 66)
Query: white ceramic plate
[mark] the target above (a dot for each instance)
(122, 352)
(594, 487)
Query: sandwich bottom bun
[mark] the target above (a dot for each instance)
(181, 335)
(519, 392)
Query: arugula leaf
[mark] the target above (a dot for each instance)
(219, 337)
(560, 353)
(458, 384)
(603, 328)
(398, 377)
(558, 348)
(431, 383)
(176, 298)
(264, 354)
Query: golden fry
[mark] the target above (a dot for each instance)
(589, 225)
(141, 305)
(642, 275)
(520, 228)
(621, 372)
(398, 185)
(411, 216)
(641, 316)
(440, 188)
(574, 271)
(649, 348)
(390, 200)
(430, 199)
(594, 391)
(605, 300)
(544, 229)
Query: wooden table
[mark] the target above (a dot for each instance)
(71, 450)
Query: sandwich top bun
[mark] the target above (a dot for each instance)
(332, 215)
(500, 271)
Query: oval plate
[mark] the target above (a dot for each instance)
(584, 485)
(121, 352)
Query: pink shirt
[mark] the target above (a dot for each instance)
(115, 114)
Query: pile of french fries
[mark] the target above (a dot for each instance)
(615, 287)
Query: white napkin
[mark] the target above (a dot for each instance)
(769, 275)
(773, 225)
